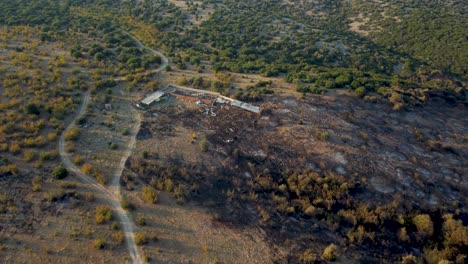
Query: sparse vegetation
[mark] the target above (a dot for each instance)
(141, 238)
(103, 214)
(203, 144)
(296, 171)
(149, 194)
(72, 134)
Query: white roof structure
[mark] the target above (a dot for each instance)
(246, 106)
(153, 97)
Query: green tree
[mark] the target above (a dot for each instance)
(59, 172)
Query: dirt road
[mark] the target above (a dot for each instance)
(164, 60)
(112, 194)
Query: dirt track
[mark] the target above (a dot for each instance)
(164, 60)
(112, 193)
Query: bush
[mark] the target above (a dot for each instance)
(105, 84)
(90, 170)
(149, 194)
(118, 237)
(99, 243)
(409, 259)
(323, 135)
(424, 225)
(54, 195)
(361, 91)
(28, 155)
(141, 239)
(31, 109)
(14, 148)
(142, 220)
(51, 136)
(36, 183)
(329, 253)
(203, 144)
(103, 214)
(72, 134)
(113, 145)
(308, 257)
(403, 235)
(126, 204)
(90, 197)
(59, 172)
(68, 185)
(455, 233)
(78, 160)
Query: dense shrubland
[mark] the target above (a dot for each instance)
(304, 42)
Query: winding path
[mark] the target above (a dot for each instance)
(112, 193)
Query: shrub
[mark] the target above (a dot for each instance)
(118, 237)
(308, 257)
(90, 197)
(68, 185)
(359, 234)
(89, 169)
(59, 172)
(51, 136)
(455, 233)
(3, 147)
(152, 236)
(203, 144)
(36, 183)
(103, 214)
(78, 160)
(80, 121)
(403, 235)
(329, 253)
(126, 204)
(424, 225)
(409, 259)
(99, 243)
(323, 135)
(142, 220)
(149, 194)
(48, 155)
(105, 84)
(31, 109)
(14, 148)
(28, 155)
(9, 169)
(72, 134)
(361, 91)
(113, 145)
(54, 195)
(141, 239)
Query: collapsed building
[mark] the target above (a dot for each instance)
(195, 95)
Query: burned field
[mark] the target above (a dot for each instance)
(312, 172)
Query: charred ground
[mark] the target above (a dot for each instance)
(314, 171)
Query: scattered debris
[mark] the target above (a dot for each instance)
(199, 97)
